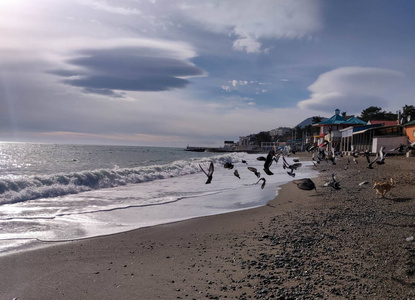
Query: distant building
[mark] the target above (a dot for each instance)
(267, 146)
(247, 143)
(372, 137)
(280, 131)
(331, 129)
(383, 122)
(229, 145)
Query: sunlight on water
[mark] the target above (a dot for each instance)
(95, 200)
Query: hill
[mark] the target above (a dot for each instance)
(308, 121)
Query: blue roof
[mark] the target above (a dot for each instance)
(336, 119)
(354, 120)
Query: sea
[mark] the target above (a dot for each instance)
(55, 193)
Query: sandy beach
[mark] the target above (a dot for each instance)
(329, 244)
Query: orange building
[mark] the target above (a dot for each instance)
(410, 131)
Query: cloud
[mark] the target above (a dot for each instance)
(248, 44)
(252, 86)
(239, 82)
(103, 5)
(249, 21)
(353, 89)
(128, 69)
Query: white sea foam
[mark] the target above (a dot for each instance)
(73, 205)
(22, 188)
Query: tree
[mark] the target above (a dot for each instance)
(376, 113)
(316, 119)
(345, 116)
(371, 113)
(263, 136)
(408, 113)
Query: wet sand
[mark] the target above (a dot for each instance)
(333, 244)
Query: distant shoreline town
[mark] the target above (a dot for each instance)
(374, 128)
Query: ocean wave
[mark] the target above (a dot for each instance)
(24, 188)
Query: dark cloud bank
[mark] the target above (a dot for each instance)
(128, 69)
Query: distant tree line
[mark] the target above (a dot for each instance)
(372, 113)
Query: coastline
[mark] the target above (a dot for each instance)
(330, 244)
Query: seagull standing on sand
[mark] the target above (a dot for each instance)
(333, 183)
(347, 164)
(382, 156)
(305, 184)
(209, 174)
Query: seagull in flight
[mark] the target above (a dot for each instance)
(264, 181)
(252, 169)
(209, 174)
(268, 162)
(292, 167)
(382, 156)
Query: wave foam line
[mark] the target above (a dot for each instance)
(13, 190)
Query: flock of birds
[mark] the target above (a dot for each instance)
(272, 157)
(319, 154)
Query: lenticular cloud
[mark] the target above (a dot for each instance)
(352, 86)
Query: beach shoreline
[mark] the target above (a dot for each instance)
(343, 243)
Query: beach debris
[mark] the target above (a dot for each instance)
(261, 158)
(263, 183)
(305, 184)
(228, 165)
(244, 162)
(409, 239)
(252, 169)
(236, 173)
(363, 183)
(209, 174)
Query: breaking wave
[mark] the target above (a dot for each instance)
(23, 188)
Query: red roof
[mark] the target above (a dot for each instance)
(385, 123)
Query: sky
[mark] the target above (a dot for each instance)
(177, 72)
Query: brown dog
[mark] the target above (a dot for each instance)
(383, 187)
